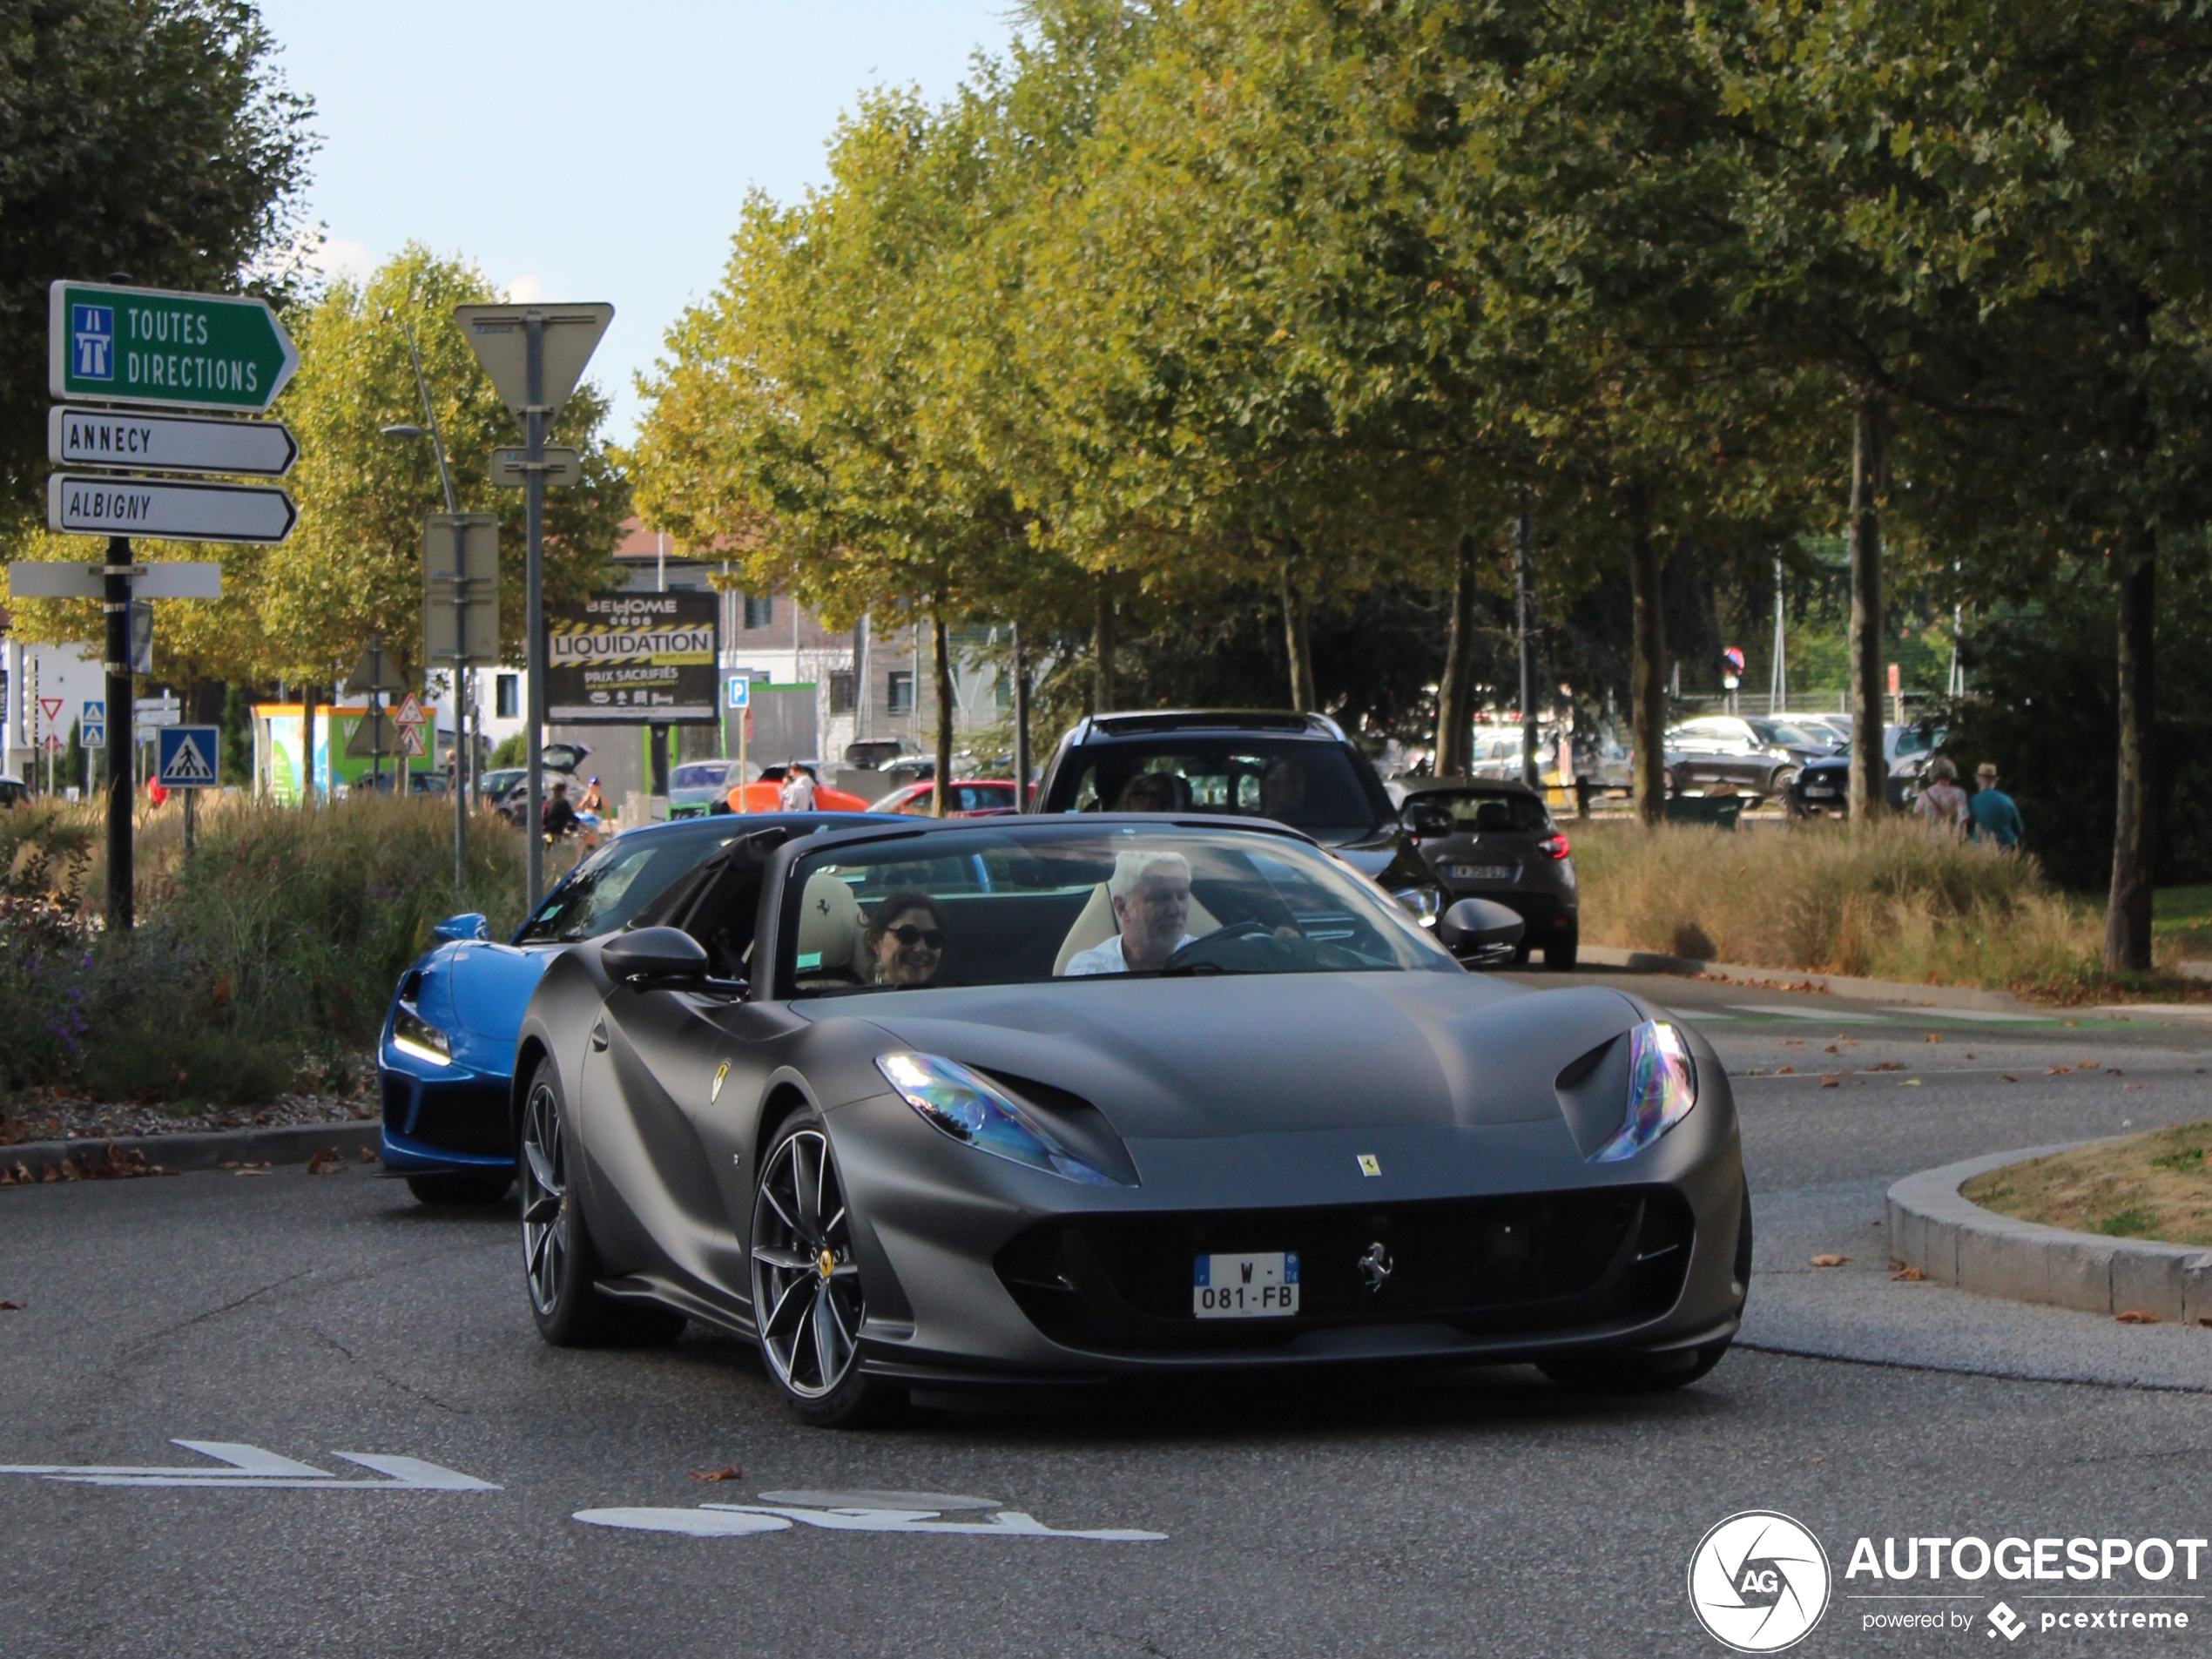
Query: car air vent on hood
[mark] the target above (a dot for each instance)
(1085, 1128)
(1593, 1092)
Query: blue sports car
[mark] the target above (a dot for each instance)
(445, 1061)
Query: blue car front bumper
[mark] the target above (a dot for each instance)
(443, 1119)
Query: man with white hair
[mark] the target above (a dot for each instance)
(1151, 895)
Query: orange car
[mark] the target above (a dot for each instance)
(972, 797)
(764, 794)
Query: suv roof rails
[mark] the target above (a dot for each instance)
(1107, 726)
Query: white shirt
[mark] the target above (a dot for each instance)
(1106, 958)
(798, 793)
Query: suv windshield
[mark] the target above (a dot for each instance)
(614, 884)
(1030, 903)
(1308, 785)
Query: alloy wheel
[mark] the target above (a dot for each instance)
(806, 1283)
(545, 1199)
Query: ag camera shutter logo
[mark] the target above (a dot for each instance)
(1759, 1582)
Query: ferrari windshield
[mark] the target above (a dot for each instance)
(1020, 903)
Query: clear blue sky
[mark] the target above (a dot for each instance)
(593, 151)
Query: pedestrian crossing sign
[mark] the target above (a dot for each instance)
(186, 756)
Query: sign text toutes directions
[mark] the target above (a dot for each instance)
(184, 351)
(166, 510)
(89, 437)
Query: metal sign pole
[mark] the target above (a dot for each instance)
(115, 601)
(460, 708)
(534, 596)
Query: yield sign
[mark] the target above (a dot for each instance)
(500, 337)
(409, 712)
(51, 708)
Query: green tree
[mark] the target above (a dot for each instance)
(152, 137)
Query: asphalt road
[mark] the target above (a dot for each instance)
(1485, 1513)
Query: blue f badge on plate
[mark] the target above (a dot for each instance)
(1369, 1164)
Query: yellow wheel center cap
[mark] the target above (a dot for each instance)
(826, 1262)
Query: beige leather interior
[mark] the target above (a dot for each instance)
(1095, 924)
(829, 925)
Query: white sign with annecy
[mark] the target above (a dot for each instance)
(167, 442)
(166, 510)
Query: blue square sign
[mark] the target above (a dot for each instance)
(91, 333)
(186, 756)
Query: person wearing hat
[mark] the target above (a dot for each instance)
(1942, 802)
(1991, 814)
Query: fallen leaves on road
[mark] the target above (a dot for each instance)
(115, 1164)
(2136, 1316)
(1831, 1081)
(1830, 1261)
(1783, 1070)
(329, 1161)
(367, 1157)
(1886, 1065)
(2115, 1071)
(1932, 1037)
(10, 1307)
(1832, 1048)
(2006, 1077)
(2056, 1071)
(728, 1472)
(1910, 1082)
(263, 1168)
(1908, 1275)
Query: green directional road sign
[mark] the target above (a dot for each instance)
(188, 351)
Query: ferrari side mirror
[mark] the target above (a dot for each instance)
(470, 924)
(1426, 819)
(668, 956)
(1478, 925)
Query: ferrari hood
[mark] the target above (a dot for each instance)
(1192, 1058)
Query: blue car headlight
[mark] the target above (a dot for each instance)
(1663, 1086)
(969, 1108)
(413, 1034)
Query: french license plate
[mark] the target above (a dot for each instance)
(1480, 872)
(1244, 1287)
(1817, 792)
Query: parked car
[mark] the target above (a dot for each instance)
(1825, 784)
(971, 798)
(445, 1061)
(1804, 739)
(1723, 750)
(765, 792)
(1297, 769)
(14, 793)
(697, 787)
(1497, 841)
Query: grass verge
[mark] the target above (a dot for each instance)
(2154, 1186)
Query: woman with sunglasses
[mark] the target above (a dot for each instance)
(907, 939)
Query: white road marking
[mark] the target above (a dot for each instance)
(1979, 1015)
(724, 1519)
(1824, 1015)
(250, 1466)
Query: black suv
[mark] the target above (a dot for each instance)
(1297, 769)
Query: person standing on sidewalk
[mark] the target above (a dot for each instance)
(1994, 817)
(1943, 803)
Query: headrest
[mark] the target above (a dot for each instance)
(829, 924)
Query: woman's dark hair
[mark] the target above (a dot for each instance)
(899, 904)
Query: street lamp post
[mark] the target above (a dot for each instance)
(460, 614)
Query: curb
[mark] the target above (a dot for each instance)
(1954, 1241)
(289, 1144)
(1860, 990)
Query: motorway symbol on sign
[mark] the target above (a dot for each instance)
(239, 1464)
(562, 466)
(66, 579)
(499, 335)
(186, 351)
(167, 510)
(410, 711)
(92, 724)
(185, 757)
(168, 443)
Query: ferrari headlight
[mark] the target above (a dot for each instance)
(968, 1108)
(413, 1034)
(1663, 1086)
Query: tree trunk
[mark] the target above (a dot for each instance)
(2128, 915)
(1297, 644)
(1101, 652)
(1524, 617)
(941, 796)
(1021, 721)
(1456, 691)
(1648, 677)
(308, 747)
(1870, 773)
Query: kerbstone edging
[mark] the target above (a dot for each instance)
(1954, 1241)
(287, 1143)
(1895, 991)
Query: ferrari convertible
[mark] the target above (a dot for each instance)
(1019, 1100)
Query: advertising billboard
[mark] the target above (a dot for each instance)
(633, 659)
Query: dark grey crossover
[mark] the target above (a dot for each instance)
(1487, 840)
(1021, 1099)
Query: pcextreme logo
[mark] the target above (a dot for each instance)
(1759, 1581)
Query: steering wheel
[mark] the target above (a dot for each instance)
(1268, 942)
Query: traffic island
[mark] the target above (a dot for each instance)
(1951, 1240)
(327, 1146)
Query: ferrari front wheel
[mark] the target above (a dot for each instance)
(806, 1298)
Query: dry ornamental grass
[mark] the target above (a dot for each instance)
(2154, 1185)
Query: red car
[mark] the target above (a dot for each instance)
(971, 798)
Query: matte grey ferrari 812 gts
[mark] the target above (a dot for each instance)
(1059, 1099)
